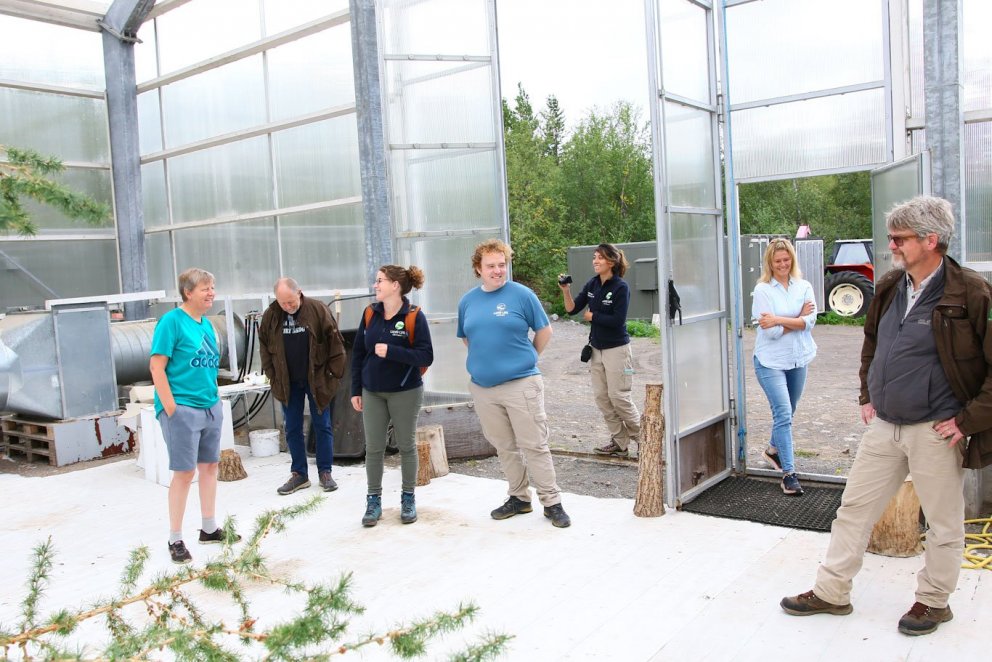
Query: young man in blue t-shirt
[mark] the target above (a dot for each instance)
(494, 321)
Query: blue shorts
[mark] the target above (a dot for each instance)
(192, 436)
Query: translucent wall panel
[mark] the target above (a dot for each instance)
(694, 258)
(446, 381)
(317, 162)
(978, 191)
(805, 136)
(226, 99)
(447, 265)
(779, 47)
(223, 181)
(91, 182)
(701, 379)
(281, 15)
(319, 248)
(432, 102)
(57, 265)
(149, 123)
(153, 194)
(30, 54)
(145, 60)
(201, 29)
(977, 72)
(242, 256)
(689, 156)
(446, 189)
(71, 128)
(917, 96)
(311, 74)
(453, 27)
(685, 68)
(158, 253)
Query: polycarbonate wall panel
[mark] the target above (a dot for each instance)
(281, 15)
(452, 27)
(695, 255)
(37, 52)
(447, 376)
(689, 156)
(319, 248)
(446, 189)
(71, 128)
(701, 379)
(317, 162)
(145, 60)
(818, 134)
(201, 29)
(158, 253)
(978, 191)
(149, 122)
(685, 68)
(222, 181)
(69, 268)
(781, 47)
(242, 256)
(311, 74)
(916, 96)
(447, 265)
(92, 182)
(153, 196)
(432, 102)
(977, 72)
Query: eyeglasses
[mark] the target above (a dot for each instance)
(899, 240)
(380, 281)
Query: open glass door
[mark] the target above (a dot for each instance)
(682, 51)
(891, 185)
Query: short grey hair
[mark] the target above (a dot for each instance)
(288, 282)
(191, 278)
(924, 215)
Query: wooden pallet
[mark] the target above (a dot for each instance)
(32, 440)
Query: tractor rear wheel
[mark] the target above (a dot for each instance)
(848, 293)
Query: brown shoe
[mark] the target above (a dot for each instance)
(807, 604)
(923, 619)
(611, 449)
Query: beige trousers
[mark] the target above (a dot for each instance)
(513, 421)
(887, 454)
(612, 372)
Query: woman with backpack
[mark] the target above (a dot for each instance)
(392, 351)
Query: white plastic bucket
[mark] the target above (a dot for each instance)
(264, 442)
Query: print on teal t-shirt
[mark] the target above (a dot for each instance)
(496, 325)
(193, 359)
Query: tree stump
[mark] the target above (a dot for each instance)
(897, 532)
(650, 499)
(433, 435)
(230, 466)
(423, 463)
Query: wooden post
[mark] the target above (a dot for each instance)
(897, 532)
(230, 467)
(423, 463)
(650, 499)
(434, 436)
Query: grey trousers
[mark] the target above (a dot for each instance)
(378, 409)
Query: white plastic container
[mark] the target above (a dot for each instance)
(264, 442)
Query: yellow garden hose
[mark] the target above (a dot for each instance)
(975, 560)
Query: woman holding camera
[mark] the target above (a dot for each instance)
(610, 364)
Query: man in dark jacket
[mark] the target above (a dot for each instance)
(303, 356)
(926, 356)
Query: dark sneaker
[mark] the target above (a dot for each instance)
(408, 508)
(217, 537)
(771, 457)
(179, 553)
(791, 486)
(807, 604)
(326, 482)
(513, 506)
(295, 482)
(923, 619)
(557, 516)
(373, 510)
(611, 449)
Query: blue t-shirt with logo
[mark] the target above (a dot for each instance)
(193, 359)
(496, 325)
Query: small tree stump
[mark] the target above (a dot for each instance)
(650, 499)
(423, 463)
(230, 466)
(897, 532)
(434, 436)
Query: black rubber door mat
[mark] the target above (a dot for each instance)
(762, 501)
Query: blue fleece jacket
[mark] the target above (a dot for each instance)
(400, 369)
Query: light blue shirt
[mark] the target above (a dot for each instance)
(773, 347)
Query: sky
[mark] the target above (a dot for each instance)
(588, 53)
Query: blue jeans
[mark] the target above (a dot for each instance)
(292, 414)
(783, 388)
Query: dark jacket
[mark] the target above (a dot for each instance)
(400, 370)
(960, 326)
(608, 304)
(327, 354)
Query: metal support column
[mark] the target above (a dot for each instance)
(120, 26)
(373, 151)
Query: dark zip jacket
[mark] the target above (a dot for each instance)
(400, 370)
(608, 304)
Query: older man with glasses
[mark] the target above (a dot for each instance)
(924, 363)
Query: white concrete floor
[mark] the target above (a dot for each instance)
(611, 587)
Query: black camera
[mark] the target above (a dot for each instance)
(564, 279)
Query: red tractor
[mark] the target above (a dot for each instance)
(849, 283)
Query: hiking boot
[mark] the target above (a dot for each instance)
(557, 516)
(923, 619)
(295, 482)
(217, 537)
(611, 448)
(408, 508)
(373, 510)
(791, 486)
(513, 506)
(326, 482)
(771, 457)
(807, 604)
(179, 553)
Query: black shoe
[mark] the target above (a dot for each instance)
(326, 482)
(295, 482)
(557, 516)
(772, 459)
(513, 506)
(179, 553)
(791, 486)
(923, 619)
(217, 537)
